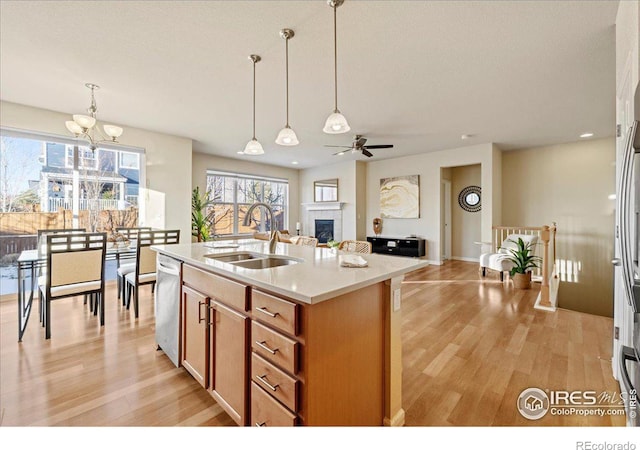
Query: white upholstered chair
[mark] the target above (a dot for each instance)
(499, 261)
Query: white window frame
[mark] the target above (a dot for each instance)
(236, 205)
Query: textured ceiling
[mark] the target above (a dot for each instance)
(416, 74)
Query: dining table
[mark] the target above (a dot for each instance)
(30, 261)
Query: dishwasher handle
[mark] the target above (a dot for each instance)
(175, 271)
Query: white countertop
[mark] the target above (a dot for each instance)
(316, 278)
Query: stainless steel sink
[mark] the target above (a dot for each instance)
(229, 257)
(265, 263)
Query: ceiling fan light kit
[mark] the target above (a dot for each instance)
(254, 147)
(287, 136)
(358, 146)
(84, 126)
(336, 123)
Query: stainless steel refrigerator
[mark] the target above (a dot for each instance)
(627, 272)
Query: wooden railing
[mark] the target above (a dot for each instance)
(546, 249)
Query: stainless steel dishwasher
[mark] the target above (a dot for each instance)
(167, 306)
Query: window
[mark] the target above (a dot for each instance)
(233, 194)
(129, 160)
(86, 158)
(38, 175)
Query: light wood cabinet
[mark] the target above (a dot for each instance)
(215, 338)
(272, 361)
(195, 333)
(229, 363)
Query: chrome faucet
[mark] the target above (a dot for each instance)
(273, 237)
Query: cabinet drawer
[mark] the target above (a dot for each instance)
(218, 288)
(275, 311)
(265, 411)
(274, 347)
(275, 382)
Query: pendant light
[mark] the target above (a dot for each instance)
(336, 123)
(287, 136)
(254, 147)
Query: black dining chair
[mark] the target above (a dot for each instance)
(75, 266)
(145, 270)
(125, 265)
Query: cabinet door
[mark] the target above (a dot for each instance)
(195, 334)
(229, 360)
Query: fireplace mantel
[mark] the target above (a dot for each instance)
(323, 206)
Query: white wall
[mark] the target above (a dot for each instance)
(348, 192)
(361, 200)
(166, 200)
(569, 184)
(465, 226)
(428, 166)
(628, 39)
(203, 161)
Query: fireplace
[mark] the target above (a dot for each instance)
(324, 230)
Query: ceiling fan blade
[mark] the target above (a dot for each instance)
(378, 146)
(338, 146)
(367, 153)
(339, 153)
(360, 142)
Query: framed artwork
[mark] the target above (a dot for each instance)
(400, 197)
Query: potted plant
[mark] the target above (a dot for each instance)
(524, 261)
(200, 219)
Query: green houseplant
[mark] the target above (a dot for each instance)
(201, 220)
(524, 261)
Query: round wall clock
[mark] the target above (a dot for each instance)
(469, 199)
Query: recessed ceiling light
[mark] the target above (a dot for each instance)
(294, 162)
(466, 136)
(240, 152)
(340, 153)
(586, 135)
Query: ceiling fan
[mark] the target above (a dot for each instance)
(358, 146)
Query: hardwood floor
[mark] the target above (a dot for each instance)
(470, 347)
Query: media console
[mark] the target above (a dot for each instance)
(415, 247)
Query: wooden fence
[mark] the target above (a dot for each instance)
(25, 223)
(18, 230)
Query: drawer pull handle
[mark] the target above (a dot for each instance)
(267, 312)
(263, 378)
(263, 424)
(262, 345)
(200, 318)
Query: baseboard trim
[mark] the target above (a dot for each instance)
(396, 421)
(467, 259)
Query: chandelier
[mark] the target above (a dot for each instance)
(84, 127)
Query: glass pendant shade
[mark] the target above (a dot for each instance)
(287, 137)
(336, 123)
(253, 147)
(84, 121)
(113, 131)
(73, 127)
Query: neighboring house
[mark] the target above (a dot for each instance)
(106, 178)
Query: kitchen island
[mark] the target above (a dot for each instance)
(291, 337)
